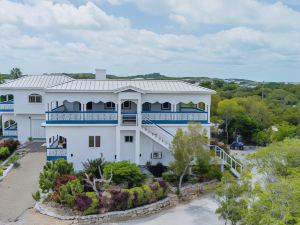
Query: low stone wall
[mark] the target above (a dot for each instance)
(141, 211)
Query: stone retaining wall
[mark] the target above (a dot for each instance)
(149, 209)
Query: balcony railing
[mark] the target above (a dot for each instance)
(56, 153)
(7, 106)
(95, 117)
(175, 117)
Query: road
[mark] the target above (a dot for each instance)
(20, 183)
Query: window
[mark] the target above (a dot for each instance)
(35, 98)
(94, 141)
(128, 139)
(126, 105)
(156, 155)
(166, 106)
(146, 107)
(89, 106)
(109, 105)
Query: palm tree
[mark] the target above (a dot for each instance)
(15, 73)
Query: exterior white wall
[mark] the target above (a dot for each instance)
(78, 149)
(22, 104)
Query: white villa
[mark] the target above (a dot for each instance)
(131, 120)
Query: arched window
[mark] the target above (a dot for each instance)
(166, 106)
(35, 98)
(89, 106)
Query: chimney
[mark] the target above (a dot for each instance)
(100, 74)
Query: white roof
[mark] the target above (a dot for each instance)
(144, 86)
(35, 82)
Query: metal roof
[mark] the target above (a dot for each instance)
(145, 86)
(35, 82)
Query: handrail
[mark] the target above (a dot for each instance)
(81, 112)
(7, 128)
(225, 156)
(8, 102)
(172, 112)
(151, 122)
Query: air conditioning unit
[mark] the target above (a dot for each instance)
(156, 155)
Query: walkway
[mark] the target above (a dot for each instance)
(20, 183)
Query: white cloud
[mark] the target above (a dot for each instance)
(220, 12)
(53, 37)
(45, 14)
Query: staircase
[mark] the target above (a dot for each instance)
(157, 133)
(235, 166)
(164, 138)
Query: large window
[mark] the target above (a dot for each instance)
(109, 105)
(126, 105)
(94, 141)
(166, 106)
(146, 107)
(35, 98)
(89, 106)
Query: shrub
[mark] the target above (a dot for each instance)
(157, 170)
(36, 196)
(93, 208)
(1, 172)
(214, 173)
(138, 196)
(206, 171)
(119, 199)
(4, 153)
(105, 201)
(91, 166)
(63, 180)
(14, 159)
(82, 202)
(11, 144)
(52, 170)
(67, 193)
(124, 172)
(148, 194)
(169, 177)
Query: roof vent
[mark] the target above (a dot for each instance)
(100, 74)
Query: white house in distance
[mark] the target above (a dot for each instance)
(131, 120)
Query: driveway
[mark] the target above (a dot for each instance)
(20, 183)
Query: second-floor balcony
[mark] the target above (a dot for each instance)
(7, 106)
(75, 113)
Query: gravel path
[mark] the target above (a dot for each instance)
(20, 183)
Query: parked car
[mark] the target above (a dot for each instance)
(237, 145)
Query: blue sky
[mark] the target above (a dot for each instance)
(250, 39)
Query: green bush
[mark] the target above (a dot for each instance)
(1, 172)
(214, 172)
(67, 192)
(4, 153)
(169, 177)
(124, 172)
(36, 196)
(14, 159)
(148, 193)
(52, 170)
(91, 166)
(138, 196)
(11, 144)
(93, 208)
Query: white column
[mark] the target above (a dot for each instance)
(118, 145)
(208, 113)
(139, 112)
(119, 107)
(137, 147)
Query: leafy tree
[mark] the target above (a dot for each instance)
(184, 148)
(232, 198)
(285, 130)
(228, 109)
(15, 73)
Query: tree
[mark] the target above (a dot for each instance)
(228, 109)
(185, 147)
(232, 198)
(15, 73)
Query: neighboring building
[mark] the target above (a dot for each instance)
(131, 120)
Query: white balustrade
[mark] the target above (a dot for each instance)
(6, 106)
(186, 116)
(10, 133)
(56, 151)
(76, 116)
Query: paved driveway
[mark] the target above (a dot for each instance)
(20, 183)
